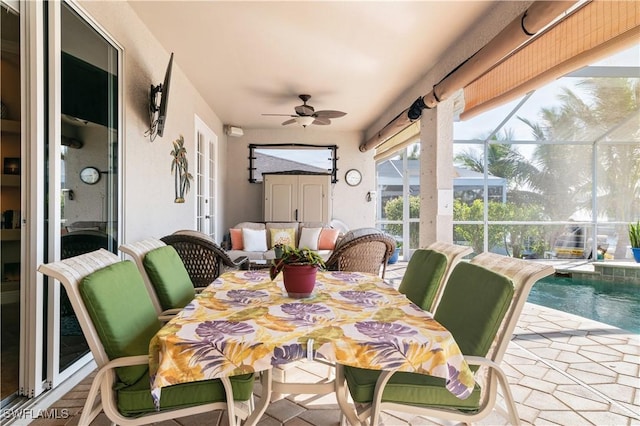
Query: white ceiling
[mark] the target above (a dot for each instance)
(249, 58)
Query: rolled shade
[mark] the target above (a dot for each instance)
(590, 33)
(404, 138)
(539, 15)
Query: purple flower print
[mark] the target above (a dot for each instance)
(453, 384)
(305, 313)
(302, 310)
(288, 353)
(349, 277)
(216, 330)
(245, 297)
(384, 330)
(365, 298)
(255, 276)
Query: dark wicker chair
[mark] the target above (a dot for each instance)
(202, 257)
(74, 244)
(362, 250)
(81, 242)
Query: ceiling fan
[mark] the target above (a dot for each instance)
(306, 114)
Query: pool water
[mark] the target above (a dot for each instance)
(613, 303)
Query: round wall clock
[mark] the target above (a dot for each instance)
(90, 175)
(353, 177)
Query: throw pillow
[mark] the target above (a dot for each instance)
(283, 236)
(254, 239)
(236, 239)
(328, 238)
(309, 238)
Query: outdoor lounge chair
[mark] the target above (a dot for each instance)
(203, 259)
(428, 270)
(118, 320)
(480, 306)
(362, 250)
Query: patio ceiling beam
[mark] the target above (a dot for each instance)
(521, 29)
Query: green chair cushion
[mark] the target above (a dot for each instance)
(122, 313)
(473, 305)
(422, 278)
(136, 399)
(407, 388)
(169, 277)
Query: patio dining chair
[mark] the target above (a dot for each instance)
(203, 258)
(118, 320)
(164, 274)
(480, 305)
(428, 270)
(362, 250)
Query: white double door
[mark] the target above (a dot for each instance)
(297, 198)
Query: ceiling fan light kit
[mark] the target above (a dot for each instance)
(306, 114)
(304, 121)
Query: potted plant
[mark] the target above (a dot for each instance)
(634, 238)
(299, 267)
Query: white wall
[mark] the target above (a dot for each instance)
(244, 200)
(148, 193)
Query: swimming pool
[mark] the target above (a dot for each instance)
(613, 303)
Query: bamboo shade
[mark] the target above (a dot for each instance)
(590, 33)
(401, 140)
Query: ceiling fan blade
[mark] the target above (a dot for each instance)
(304, 110)
(321, 121)
(327, 113)
(280, 115)
(293, 120)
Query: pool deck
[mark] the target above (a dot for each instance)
(562, 369)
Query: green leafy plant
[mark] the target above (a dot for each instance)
(295, 256)
(634, 234)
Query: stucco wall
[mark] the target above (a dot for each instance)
(148, 193)
(244, 199)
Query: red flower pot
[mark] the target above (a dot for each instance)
(299, 280)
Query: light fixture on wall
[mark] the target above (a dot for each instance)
(304, 120)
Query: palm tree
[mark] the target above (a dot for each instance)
(607, 117)
(503, 160)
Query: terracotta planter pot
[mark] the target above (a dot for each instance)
(299, 280)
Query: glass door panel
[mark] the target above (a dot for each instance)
(206, 179)
(10, 232)
(88, 157)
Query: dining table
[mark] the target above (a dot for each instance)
(244, 322)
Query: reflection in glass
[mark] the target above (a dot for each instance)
(89, 139)
(10, 253)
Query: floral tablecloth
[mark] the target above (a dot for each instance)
(244, 322)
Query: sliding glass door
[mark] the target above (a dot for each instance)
(11, 229)
(82, 177)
